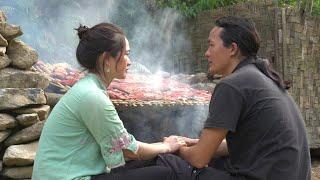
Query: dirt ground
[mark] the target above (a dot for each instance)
(315, 168)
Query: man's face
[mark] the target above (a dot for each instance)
(218, 56)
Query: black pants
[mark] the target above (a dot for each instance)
(183, 171)
(151, 172)
(167, 167)
(138, 170)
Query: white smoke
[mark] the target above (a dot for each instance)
(48, 27)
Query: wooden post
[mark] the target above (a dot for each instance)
(276, 39)
(284, 41)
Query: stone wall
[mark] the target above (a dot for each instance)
(289, 40)
(300, 57)
(22, 103)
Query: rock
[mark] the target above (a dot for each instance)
(27, 119)
(26, 135)
(7, 122)
(15, 78)
(52, 98)
(4, 135)
(20, 155)
(0, 166)
(9, 31)
(18, 172)
(22, 55)
(3, 41)
(3, 51)
(4, 61)
(3, 17)
(13, 98)
(42, 111)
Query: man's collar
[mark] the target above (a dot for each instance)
(244, 62)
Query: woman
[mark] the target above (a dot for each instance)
(250, 107)
(83, 137)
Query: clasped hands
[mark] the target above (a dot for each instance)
(174, 142)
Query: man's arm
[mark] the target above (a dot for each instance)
(222, 149)
(201, 153)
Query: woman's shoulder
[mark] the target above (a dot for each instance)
(87, 85)
(85, 94)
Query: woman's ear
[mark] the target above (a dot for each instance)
(106, 57)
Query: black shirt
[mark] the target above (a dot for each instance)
(267, 138)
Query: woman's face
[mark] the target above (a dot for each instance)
(120, 67)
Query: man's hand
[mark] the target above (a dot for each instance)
(190, 141)
(200, 154)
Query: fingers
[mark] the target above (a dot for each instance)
(182, 143)
(174, 138)
(181, 140)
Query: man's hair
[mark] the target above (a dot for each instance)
(240, 31)
(243, 32)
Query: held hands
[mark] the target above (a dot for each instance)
(190, 141)
(174, 143)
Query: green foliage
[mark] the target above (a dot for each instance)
(302, 4)
(287, 2)
(316, 7)
(190, 8)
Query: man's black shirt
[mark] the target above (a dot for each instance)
(267, 138)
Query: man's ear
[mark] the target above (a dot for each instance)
(234, 49)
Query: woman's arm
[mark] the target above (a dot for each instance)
(149, 151)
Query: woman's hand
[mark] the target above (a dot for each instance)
(174, 143)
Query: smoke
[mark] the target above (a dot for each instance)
(155, 39)
(189, 121)
(154, 123)
(48, 27)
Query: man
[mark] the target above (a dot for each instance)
(250, 108)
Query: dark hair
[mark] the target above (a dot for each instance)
(103, 37)
(243, 32)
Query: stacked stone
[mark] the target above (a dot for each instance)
(22, 103)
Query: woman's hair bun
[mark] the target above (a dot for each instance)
(82, 31)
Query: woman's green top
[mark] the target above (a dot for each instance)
(83, 135)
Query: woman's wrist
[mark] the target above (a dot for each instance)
(165, 148)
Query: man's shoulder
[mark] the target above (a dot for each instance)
(244, 75)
